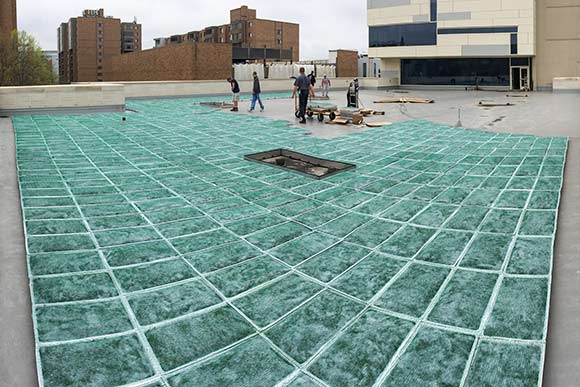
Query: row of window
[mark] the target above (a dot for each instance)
(425, 34)
(417, 34)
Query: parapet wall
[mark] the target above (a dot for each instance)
(92, 97)
(88, 97)
(566, 85)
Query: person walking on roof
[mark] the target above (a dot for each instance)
(235, 86)
(256, 91)
(325, 84)
(304, 88)
(312, 79)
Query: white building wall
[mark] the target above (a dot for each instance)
(457, 14)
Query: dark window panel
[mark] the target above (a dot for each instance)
(477, 30)
(417, 34)
(456, 71)
(433, 10)
(514, 43)
(520, 61)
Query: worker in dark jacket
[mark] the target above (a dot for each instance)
(256, 91)
(303, 86)
(235, 86)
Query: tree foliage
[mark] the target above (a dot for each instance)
(22, 62)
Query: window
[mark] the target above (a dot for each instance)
(251, 24)
(514, 44)
(99, 32)
(278, 32)
(418, 34)
(433, 10)
(477, 30)
(460, 71)
(100, 40)
(520, 61)
(251, 35)
(100, 25)
(279, 42)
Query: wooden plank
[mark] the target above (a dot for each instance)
(338, 121)
(404, 100)
(378, 124)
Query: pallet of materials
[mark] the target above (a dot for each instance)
(404, 100)
(321, 112)
(371, 112)
(354, 116)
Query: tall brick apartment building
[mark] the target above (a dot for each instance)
(87, 44)
(252, 39)
(7, 16)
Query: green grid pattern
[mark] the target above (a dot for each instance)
(158, 256)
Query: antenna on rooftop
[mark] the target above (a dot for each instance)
(459, 124)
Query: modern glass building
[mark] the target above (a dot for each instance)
(511, 44)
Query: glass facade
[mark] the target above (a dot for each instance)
(417, 34)
(456, 71)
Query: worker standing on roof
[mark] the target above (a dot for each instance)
(304, 88)
(312, 79)
(325, 84)
(235, 86)
(256, 91)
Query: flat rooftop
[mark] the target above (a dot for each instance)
(159, 256)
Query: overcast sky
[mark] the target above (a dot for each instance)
(324, 24)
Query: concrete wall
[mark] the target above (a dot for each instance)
(558, 47)
(455, 14)
(111, 96)
(187, 61)
(100, 96)
(566, 85)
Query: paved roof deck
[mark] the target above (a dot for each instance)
(187, 257)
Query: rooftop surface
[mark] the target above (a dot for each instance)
(159, 256)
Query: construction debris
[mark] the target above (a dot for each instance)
(404, 100)
(378, 124)
(494, 104)
(339, 121)
(219, 105)
(371, 112)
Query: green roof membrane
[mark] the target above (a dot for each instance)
(159, 256)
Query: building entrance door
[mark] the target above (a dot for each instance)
(520, 78)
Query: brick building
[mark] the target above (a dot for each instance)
(131, 37)
(252, 39)
(7, 16)
(346, 62)
(177, 62)
(87, 44)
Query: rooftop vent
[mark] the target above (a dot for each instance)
(300, 163)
